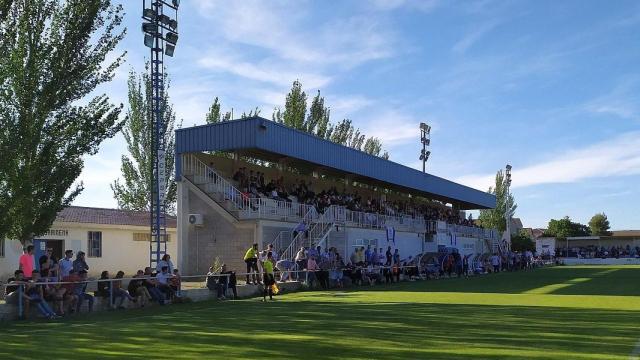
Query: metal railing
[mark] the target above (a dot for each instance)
(265, 208)
(314, 235)
(285, 238)
(206, 177)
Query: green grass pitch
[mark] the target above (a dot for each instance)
(551, 313)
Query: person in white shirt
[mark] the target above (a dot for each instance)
(163, 282)
(495, 262)
(166, 261)
(301, 261)
(66, 264)
(274, 253)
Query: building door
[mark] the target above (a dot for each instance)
(58, 248)
(39, 249)
(41, 246)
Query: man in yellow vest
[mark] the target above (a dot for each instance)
(251, 259)
(268, 278)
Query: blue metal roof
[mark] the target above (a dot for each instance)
(261, 136)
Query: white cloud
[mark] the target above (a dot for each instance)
(621, 102)
(471, 38)
(422, 5)
(278, 42)
(618, 156)
(393, 127)
(275, 74)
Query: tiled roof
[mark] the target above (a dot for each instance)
(89, 215)
(625, 233)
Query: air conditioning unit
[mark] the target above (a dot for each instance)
(195, 219)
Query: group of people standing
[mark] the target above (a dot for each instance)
(64, 282)
(262, 262)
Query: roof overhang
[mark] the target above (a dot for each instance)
(268, 140)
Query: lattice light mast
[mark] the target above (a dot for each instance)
(160, 35)
(425, 138)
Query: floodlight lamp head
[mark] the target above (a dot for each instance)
(150, 28)
(149, 13)
(175, 3)
(148, 40)
(508, 168)
(172, 38)
(165, 19)
(169, 49)
(173, 24)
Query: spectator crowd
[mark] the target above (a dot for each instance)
(254, 185)
(58, 287)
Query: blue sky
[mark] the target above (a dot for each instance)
(551, 87)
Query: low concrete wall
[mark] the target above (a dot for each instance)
(607, 261)
(10, 312)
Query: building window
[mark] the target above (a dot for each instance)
(1, 247)
(146, 237)
(94, 245)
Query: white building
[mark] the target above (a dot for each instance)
(112, 239)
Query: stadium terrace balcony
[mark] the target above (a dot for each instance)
(260, 138)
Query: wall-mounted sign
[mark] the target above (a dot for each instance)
(56, 232)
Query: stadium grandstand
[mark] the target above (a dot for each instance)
(256, 181)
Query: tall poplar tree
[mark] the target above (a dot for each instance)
(52, 58)
(495, 218)
(133, 193)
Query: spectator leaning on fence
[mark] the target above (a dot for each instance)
(12, 290)
(228, 281)
(137, 289)
(81, 291)
(301, 261)
(119, 294)
(35, 294)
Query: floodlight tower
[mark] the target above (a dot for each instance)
(507, 212)
(160, 35)
(425, 138)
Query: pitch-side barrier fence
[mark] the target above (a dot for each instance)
(21, 285)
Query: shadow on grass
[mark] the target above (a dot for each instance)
(329, 330)
(552, 280)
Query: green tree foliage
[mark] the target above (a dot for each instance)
(564, 228)
(133, 192)
(522, 242)
(318, 118)
(599, 225)
(52, 57)
(295, 108)
(373, 146)
(252, 113)
(495, 218)
(213, 115)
